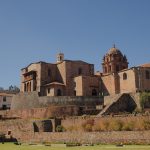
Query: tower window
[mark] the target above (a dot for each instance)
(124, 76)
(79, 71)
(147, 73)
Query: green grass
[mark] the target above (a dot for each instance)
(10, 146)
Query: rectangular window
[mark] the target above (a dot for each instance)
(147, 73)
(4, 99)
(4, 107)
(49, 72)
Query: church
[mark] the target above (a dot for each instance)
(78, 78)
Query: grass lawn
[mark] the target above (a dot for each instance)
(11, 146)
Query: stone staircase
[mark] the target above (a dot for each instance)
(121, 103)
(103, 112)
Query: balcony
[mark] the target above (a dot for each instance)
(28, 78)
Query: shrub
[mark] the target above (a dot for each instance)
(105, 125)
(146, 124)
(144, 99)
(60, 128)
(128, 126)
(116, 125)
(87, 126)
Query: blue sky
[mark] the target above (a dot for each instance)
(36, 30)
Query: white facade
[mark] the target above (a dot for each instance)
(5, 101)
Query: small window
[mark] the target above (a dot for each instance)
(94, 92)
(59, 92)
(124, 76)
(147, 73)
(74, 84)
(110, 68)
(79, 71)
(48, 90)
(4, 107)
(9, 132)
(4, 99)
(60, 58)
(74, 92)
(49, 72)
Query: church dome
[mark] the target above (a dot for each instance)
(114, 50)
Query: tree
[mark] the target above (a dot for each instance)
(13, 88)
(1, 89)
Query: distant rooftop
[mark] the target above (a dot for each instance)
(145, 65)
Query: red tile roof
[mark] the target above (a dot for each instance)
(145, 65)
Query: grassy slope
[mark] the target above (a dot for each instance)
(100, 147)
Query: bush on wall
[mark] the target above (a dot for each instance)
(60, 128)
(144, 99)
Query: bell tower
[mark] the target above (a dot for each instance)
(114, 61)
(60, 57)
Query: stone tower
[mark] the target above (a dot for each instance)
(114, 61)
(60, 57)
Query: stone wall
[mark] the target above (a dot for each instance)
(31, 105)
(23, 130)
(137, 137)
(109, 84)
(33, 100)
(25, 100)
(47, 112)
(129, 84)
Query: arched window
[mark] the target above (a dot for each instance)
(109, 68)
(94, 92)
(74, 92)
(79, 71)
(49, 72)
(147, 73)
(124, 76)
(59, 92)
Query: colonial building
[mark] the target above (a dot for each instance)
(77, 78)
(118, 78)
(64, 78)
